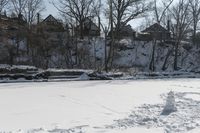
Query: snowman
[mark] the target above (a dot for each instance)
(170, 105)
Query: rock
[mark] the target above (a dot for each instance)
(84, 76)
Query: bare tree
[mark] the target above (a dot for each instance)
(78, 10)
(18, 6)
(33, 7)
(111, 21)
(126, 10)
(159, 13)
(182, 21)
(194, 7)
(28, 8)
(3, 4)
(120, 13)
(97, 6)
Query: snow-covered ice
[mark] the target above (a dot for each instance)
(123, 106)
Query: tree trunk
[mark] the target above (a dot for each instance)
(152, 62)
(194, 36)
(81, 30)
(105, 60)
(176, 56)
(164, 67)
(110, 55)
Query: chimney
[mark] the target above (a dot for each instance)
(38, 18)
(168, 25)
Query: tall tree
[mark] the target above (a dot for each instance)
(18, 6)
(28, 8)
(78, 10)
(182, 21)
(194, 8)
(97, 9)
(159, 14)
(122, 12)
(33, 7)
(160, 11)
(111, 21)
(3, 4)
(126, 10)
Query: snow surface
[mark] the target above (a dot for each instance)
(99, 106)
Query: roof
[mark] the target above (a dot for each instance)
(88, 23)
(50, 18)
(155, 28)
(124, 31)
(127, 28)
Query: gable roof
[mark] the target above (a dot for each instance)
(155, 28)
(88, 23)
(127, 28)
(50, 18)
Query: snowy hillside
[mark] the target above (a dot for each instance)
(99, 106)
(90, 54)
(137, 55)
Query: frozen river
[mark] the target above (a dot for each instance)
(99, 106)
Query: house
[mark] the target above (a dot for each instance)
(51, 24)
(158, 32)
(12, 26)
(89, 28)
(125, 31)
(13, 31)
(12, 23)
(51, 28)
